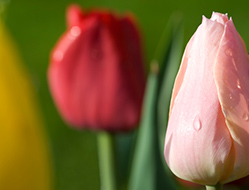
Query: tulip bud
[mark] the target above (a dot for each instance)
(96, 75)
(207, 139)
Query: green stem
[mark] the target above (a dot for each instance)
(215, 187)
(106, 161)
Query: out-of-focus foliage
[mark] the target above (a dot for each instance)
(24, 157)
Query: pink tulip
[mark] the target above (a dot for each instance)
(207, 139)
(96, 73)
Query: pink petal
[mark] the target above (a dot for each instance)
(195, 148)
(181, 74)
(220, 18)
(232, 77)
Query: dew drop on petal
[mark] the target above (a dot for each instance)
(238, 85)
(197, 123)
(75, 31)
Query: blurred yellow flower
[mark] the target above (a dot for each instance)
(24, 157)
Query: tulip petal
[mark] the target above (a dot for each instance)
(181, 74)
(124, 79)
(231, 72)
(74, 15)
(96, 74)
(64, 77)
(218, 17)
(195, 149)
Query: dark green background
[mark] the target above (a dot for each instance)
(36, 26)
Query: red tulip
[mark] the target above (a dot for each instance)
(96, 74)
(207, 139)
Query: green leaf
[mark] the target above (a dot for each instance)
(168, 71)
(124, 145)
(149, 169)
(143, 173)
(169, 64)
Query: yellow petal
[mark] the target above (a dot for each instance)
(24, 158)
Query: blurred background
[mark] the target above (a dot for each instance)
(36, 26)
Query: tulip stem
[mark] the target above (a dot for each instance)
(106, 161)
(215, 187)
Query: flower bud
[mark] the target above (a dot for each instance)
(207, 139)
(96, 74)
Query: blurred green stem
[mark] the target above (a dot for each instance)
(106, 161)
(215, 187)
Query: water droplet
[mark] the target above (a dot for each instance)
(245, 116)
(197, 123)
(229, 52)
(238, 84)
(230, 96)
(75, 31)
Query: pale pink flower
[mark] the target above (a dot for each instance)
(207, 139)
